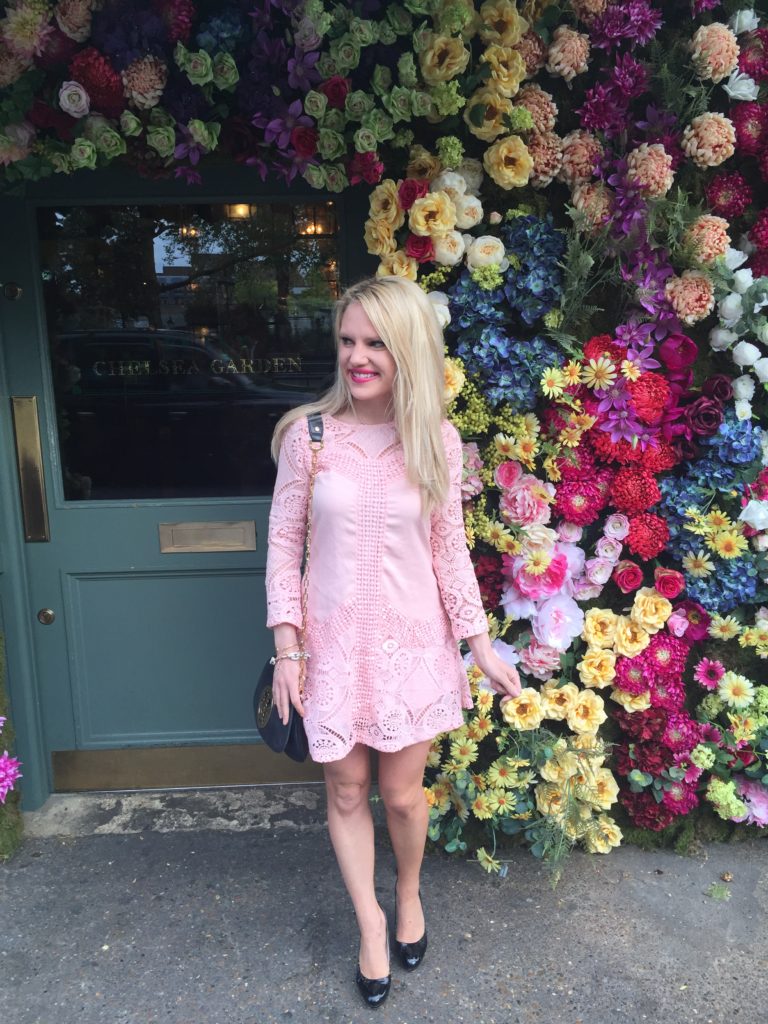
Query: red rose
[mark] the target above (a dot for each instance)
(704, 416)
(718, 386)
(336, 89)
(627, 576)
(365, 167)
(410, 190)
(421, 249)
(678, 351)
(304, 141)
(668, 582)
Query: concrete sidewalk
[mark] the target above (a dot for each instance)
(226, 908)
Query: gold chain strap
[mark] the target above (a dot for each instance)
(316, 447)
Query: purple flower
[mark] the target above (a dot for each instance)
(191, 176)
(642, 358)
(634, 22)
(629, 76)
(189, 148)
(699, 6)
(301, 71)
(9, 773)
(621, 425)
(279, 128)
(604, 110)
(614, 397)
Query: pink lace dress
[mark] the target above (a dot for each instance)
(390, 594)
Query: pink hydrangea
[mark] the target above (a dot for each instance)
(650, 168)
(714, 51)
(546, 150)
(568, 53)
(539, 105)
(558, 621)
(581, 152)
(539, 660)
(708, 237)
(692, 295)
(709, 139)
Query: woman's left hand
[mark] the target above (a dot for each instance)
(502, 677)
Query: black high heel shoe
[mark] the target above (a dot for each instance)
(410, 954)
(374, 990)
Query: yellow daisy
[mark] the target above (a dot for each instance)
(487, 862)
(717, 519)
(484, 700)
(728, 543)
(537, 561)
(460, 806)
(480, 727)
(505, 445)
(630, 370)
(550, 468)
(570, 436)
(572, 372)
(501, 774)
(529, 424)
(552, 382)
(478, 780)
(583, 420)
(494, 532)
(481, 807)
(598, 373)
(698, 564)
(724, 627)
(464, 750)
(508, 545)
(501, 801)
(527, 449)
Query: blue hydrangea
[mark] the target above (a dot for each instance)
(510, 368)
(536, 287)
(678, 494)
(736, 441)
(734, 582)
(470, 304)
(221, 32)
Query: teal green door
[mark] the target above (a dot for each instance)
(160, 343)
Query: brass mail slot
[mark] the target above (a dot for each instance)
(180, 537)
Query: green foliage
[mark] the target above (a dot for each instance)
(10, 815)
(587, 271)
(676, 83)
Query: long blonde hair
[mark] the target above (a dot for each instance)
(405, 320)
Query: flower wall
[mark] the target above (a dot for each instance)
(579, 187)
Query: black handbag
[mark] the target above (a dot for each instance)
(290, 739)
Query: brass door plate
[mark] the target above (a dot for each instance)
(176, 538)
(29, 461)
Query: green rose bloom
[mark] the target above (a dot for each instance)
(206, 135)
(315, 104)
(130, 124)
(451, 18)
(447, 97)
(161, 118)
(334, 120)
(346, 52)
(83, 154)
(419, 7)
(421, 37)
(387, 35)
(358, 104)
(403, 139)
(406, 71)
(382, 80)
(397, 103)
(199, 69)
(400, 19)
(225, 73)
(327, 66)
(162, 140)
(380, 124)
(110, 143)
(336, 178)
(314, 175)
(330, 145)
(61, 162)
(364, 32)
(364, 140)
(451, 151)
(422, 103)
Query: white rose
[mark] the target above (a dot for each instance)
(494, 217)
(741, 87)
(720, 339)
(449, 248)
(734, 258)
(745, 354)
(74, 100)
(742, 280)
(761, 332)
(450, 182)
(745, 245)
(760, 369)
(743, 409)
(755, 514)
(471, 171)
(469, 212)
(761, 613)
(760, 543)
(484, 251)
(440, 301)
(743, 387)
(730, 308)
(743, 21)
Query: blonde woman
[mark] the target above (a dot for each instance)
(391, 592)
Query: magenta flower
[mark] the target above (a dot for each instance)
(9, 773)
(708, 673)
(679, 798)
(615, 397)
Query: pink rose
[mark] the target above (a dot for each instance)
(616, 526)
(678, 351)
(583, 590)
(515, 605)
(609, 548)
(598, 570)
(570, 532)
(544, 584)
(677, 623)
(507, 474)
(524, 504)
(668, 582)
(540, 660)
(627, 576)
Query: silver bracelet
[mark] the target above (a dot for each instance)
(293, 656)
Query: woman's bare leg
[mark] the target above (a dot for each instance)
(401, 785)
(350, 825)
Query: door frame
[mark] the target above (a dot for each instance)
(222, 183)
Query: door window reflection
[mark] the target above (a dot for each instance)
(179, 335)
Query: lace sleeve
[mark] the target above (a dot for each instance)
(450, 556)
(287, 528)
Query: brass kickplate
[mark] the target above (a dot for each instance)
(235, 536)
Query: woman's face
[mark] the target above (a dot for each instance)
(366, 363)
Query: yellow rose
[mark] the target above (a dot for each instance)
(397, 264)
(603, 835)
(378, 237)
(631, 638)
(587, 713)
(562, 765)
(556, 702)
(507, 68)
(454, 379)
(421, 164)
(443, 58)
(600, 627)
(434, 215)
(650, 609)
(384, 205)
(632, 701)
(524, 711)
(550, 799)
(597, 668)
(593, 747)
(600, 789)
(496, 108)
(508, 162)
(501, 23)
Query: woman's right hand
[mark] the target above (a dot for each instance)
(285, 688)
